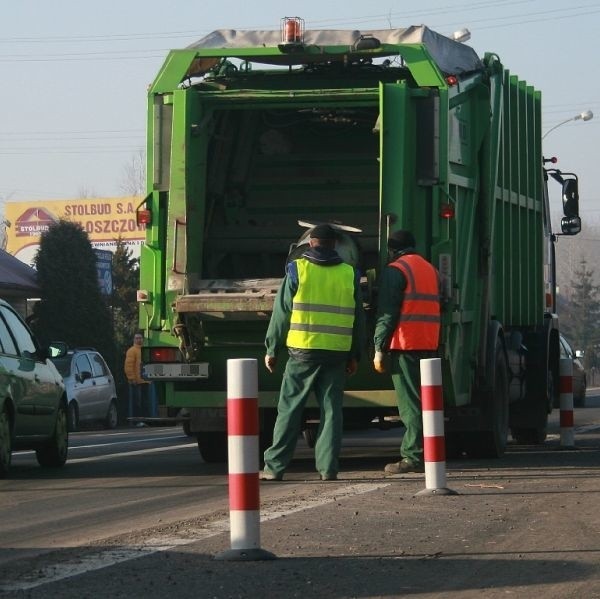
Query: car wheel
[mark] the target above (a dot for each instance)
(5, 443)
(73, 417)
(579, 400)
(112, 418)
(53, 453)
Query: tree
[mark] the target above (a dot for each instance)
(133, 181)
(71, 308)
(125, 277)
(580, 318)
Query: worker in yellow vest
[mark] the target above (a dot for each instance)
(318, 315)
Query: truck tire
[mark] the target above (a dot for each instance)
(454, 445)
(491, 443)
(529, 436)
(53, 453)
(213, 446)
(310, 435)
(536, 435)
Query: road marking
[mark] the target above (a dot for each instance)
(587, 429)
(112, 456)
(111, 557)
(146, 440)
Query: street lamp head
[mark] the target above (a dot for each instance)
(586, 115)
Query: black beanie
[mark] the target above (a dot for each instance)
(322, 232)
(401, 240)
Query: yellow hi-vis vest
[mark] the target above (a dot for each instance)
(323, 307)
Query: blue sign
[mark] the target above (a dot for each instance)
(104, 270)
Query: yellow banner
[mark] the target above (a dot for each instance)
(104, 220)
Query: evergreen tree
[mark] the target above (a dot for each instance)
(580, 320)
(71, 308)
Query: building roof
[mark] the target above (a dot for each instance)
(16, 275)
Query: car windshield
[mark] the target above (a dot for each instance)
(63, 365)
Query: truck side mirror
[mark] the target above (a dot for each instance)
(570, 225)
(570, 198)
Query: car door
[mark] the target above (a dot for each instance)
(103, 385)
(41, 388)
(14, 383)
(84, 389)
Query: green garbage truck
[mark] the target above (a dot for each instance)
(254, 137)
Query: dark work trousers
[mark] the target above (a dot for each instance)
(299, 379)
(406, 377)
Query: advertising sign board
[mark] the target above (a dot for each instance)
(105, 220)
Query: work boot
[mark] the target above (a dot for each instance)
(403, 467)
(267, 475)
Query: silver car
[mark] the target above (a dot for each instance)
(90, 387)
(579, 378)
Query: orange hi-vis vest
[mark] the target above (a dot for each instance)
(418, 326)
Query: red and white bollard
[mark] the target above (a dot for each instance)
(242, 438)
(567, 437)
(434, 444)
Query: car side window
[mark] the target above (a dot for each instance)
(6, 340)
(563, 351)
(98, 365)
(22, 336)
(82, 364)
(567, 349)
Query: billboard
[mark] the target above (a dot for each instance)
(103, 219)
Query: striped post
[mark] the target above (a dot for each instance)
(242, 431)
(567, 439)
(434, 445)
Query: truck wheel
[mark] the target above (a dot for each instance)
(536, 435)
(491, 443)
(454, 446)
(213, 446)
(310, 435)
(5, 443)
(528, 436)
(53, 453)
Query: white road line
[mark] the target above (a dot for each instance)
(112, 456)
(111, 557)
(588, 428)
(145, 440)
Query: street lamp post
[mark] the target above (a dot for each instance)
(582, 116)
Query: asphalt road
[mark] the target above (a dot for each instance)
(135, 513)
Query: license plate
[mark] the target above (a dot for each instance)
(176, 371)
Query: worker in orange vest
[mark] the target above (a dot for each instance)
(408, 327)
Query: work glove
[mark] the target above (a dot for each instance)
(351, 366)
(270, 362)
(378, 362)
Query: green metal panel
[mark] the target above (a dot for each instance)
(395, 160)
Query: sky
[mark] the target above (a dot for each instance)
(75, 76)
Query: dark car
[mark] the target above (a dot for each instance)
(33, 404)
(579, 378)
(90, 387)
